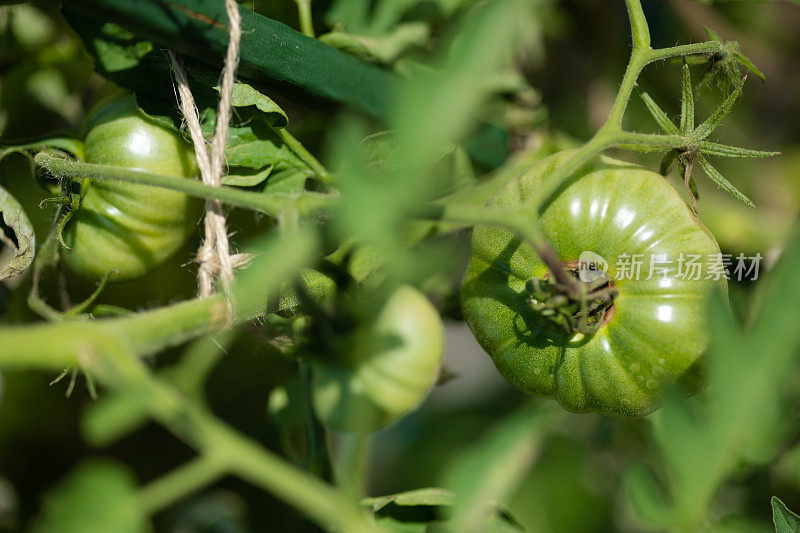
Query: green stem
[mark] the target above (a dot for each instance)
(306, 156)
(304, 13)
(706, 47)
(271, 204)
(235, 453)
(639, 30)
(197, 362)
(64, 345)
(181, 482)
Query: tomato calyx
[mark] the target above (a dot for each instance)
(583, 311)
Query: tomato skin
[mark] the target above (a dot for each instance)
(126, 227)
(658, 331)
(394, 364)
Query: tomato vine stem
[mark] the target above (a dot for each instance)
(523, 220)
(272, 204)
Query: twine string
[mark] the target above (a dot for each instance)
(214, 254)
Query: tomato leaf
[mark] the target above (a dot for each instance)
(247, 179)
(244, 95)
(16, 233)
(785, 520)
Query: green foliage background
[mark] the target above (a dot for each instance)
(522, 77)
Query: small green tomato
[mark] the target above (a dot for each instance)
(394, 364)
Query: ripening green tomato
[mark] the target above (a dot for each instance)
(394, 363)
(657, 328)
(126, 227)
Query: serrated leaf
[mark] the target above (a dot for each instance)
(687, 100)
(785, 520)
(710, 124)
(721, 182)
(723, 150)
(97, 497)
(659, 115)
(16, 234)
(247, 179)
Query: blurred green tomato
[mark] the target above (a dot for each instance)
(394, 364)
(123, 227)
(657, 328)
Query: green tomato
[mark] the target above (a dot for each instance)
(656, 330)
(393, 364)
(126, 228)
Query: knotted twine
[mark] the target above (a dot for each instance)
(214, 254)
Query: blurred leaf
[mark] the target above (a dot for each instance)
(115, 416)
(428, 509)
(644, 495)
(289, 410)
(702, 444)
(215, 512)
(9, 505)
(97, 497)
(785, 520)
(490, 471)
(385, 48)
(16, 234)
(426, 496)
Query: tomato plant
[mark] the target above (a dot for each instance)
(417, 269)
(127, 229)
(389, 368)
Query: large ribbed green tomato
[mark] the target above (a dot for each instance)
(657, 332)
(395, 361)
(126, 228)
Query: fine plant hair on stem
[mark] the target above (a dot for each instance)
(214, 254)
